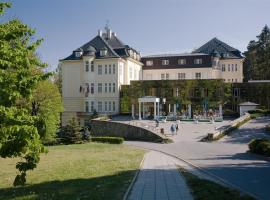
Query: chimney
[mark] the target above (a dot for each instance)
(109, 33)
(100, 33)
(113, 34)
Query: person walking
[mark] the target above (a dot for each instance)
(176, 128)
(173, 129)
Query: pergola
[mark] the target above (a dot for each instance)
(149, 99)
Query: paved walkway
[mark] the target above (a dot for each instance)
(159, 179)
(228, 158)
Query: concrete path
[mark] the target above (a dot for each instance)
(227, 159)
(159, 179)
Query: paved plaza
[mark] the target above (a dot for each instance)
(227, 158)
(159, 179)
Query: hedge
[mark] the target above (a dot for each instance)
(111, 140)
(260, 146)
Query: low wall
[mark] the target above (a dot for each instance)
(128, 132)
(224, 130)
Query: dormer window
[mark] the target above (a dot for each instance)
(103, 52)
(165, 62)
(149, 63)
(198, 61)
(130, 53)
(182, 62)
(78, 54)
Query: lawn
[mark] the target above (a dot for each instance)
(203, 189)
(85, 171)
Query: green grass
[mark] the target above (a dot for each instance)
(83, 171)
(203, 189)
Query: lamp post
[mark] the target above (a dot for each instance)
(164, 101)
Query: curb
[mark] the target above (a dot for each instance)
(228, 184)
(133, 180)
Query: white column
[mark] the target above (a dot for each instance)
(143, 112)
(174, 110)
(189, 110)
(155, 110)
(169, 108)
(220, 110)
(140, 118)
(158, 109)
(132, 111)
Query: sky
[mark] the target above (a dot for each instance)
(149, 26)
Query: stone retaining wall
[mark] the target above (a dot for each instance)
(226, 129)
(128, 132)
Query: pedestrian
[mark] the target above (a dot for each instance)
(157, 123)
(173, 129)
(176, 128)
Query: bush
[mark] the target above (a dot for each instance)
(267, 128)
(111, 140)
(260, 146)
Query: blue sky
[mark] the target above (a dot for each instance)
(150, 26)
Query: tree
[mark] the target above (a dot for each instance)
(71, 132)
(46, 104)
(257, 63)
(19, 75)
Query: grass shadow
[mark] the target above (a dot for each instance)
(98, 188)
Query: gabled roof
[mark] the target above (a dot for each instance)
(115, 47)
(218, 48)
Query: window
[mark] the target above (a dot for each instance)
(103, 52)
(92, 66)
(92, 106)
(92, 88)
(181, 75)
(100, 106)
(182, 62)
(106, 88)
(113, 69)
(235, 80)
(105, 108)
(162, 76)
(113, 105)
(86, 106)
(232, 67)
(110, 69)
(99, 87)
(229, 67)
(149, 63)
(235, 67)
(165, 62)
(87, 66)
(113, 87)
(110, 106)
(198, 61)
(167, 76)
(198, 75)
(110, 87)
(78, 54)
(99, 69)
(229, 80)
(106, 69)
(223, 68)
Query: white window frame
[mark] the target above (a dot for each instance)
(99, 106)
(87, 66)
(182, 61)
(181, 76)
(198, 61)
(92, 66)
(165, 62)
(99, 69)
(200, 75)
(149, 63)
(162, 76)
(99, 87)
(86, 106)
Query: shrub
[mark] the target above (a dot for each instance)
(111, 140)
(71, 133)
(260, 146)
(267, 128)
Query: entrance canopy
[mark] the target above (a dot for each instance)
(149, 99)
